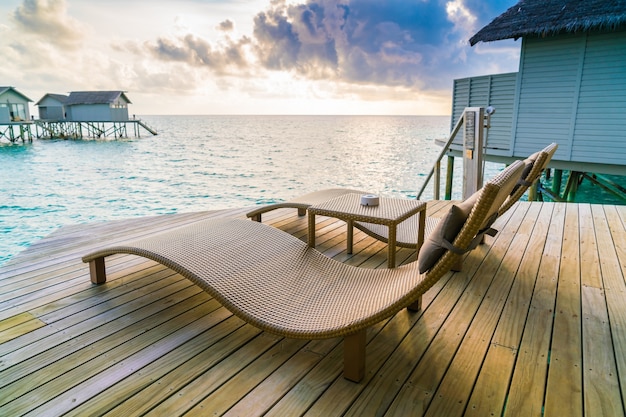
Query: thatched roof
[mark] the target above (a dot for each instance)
(94, 97)
(550, 17)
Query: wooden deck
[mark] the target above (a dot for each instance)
(534, 325)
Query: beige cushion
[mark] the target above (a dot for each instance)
(528, 166)
(448, 228)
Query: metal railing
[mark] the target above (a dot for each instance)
(436, 169)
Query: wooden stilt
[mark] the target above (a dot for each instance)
(557, 181)
(571, 187)
(532, 192)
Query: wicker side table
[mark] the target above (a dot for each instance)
(390, 212)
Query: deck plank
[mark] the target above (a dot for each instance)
(433, 366)
(564, 390)
(535, 323)
(526, 392)
(451, 398)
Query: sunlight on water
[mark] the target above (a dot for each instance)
(208, 162)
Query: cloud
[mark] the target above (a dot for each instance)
(365, 50)
(392, 43)
(49, 20)
(226, 26)
(416, 45)
(196, 51)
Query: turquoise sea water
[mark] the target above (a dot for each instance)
(206, 162)
(209, 162)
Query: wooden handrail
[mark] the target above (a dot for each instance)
(437, 164)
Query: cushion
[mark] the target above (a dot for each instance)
(448, 228)
(528, 166)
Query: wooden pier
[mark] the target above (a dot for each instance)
(534, 325)
(42, 129)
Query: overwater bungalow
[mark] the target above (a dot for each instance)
(13, 105)
(84, 114)
(85, 106)
(570, 87)
(534, 324)
(79, 115)
(52, 107)
(97, 106)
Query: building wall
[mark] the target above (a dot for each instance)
(573, 91)
(96, 113)
(16, 104)
(51, 112)
(490, 90)
(89, 113)
(600, 130)
(4, 113)
(570, 89)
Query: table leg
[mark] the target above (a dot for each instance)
(350, 232)
(420, 231)
(311, 229)
(391, 258)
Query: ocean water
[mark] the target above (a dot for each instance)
(207, 162)
(201, 163)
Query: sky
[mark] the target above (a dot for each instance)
(175, 57)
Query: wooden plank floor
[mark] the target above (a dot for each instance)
(535, 324)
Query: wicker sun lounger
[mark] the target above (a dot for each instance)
(279, 284)
(303, 202)
(534, 165)
(407, 231)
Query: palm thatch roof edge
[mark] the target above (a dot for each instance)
(550, 17)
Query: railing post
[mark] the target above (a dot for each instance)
(437, 179)
(472, 150)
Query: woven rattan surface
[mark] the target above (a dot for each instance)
(304, 201)
(274, 281)
(541, 163)
(389, 211)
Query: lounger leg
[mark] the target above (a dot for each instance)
(301, 211)
(416, 306)
(256, 218)
(354, 356)
(458, 266)
(97, 271)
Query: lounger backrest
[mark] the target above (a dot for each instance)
(535, 164)
(463, 224)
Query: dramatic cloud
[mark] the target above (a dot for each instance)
(269, 55)
(392, 43)
(49, 18)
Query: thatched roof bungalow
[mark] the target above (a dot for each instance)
(533, 18)
(570, 87)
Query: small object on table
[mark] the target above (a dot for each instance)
(370, 200)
